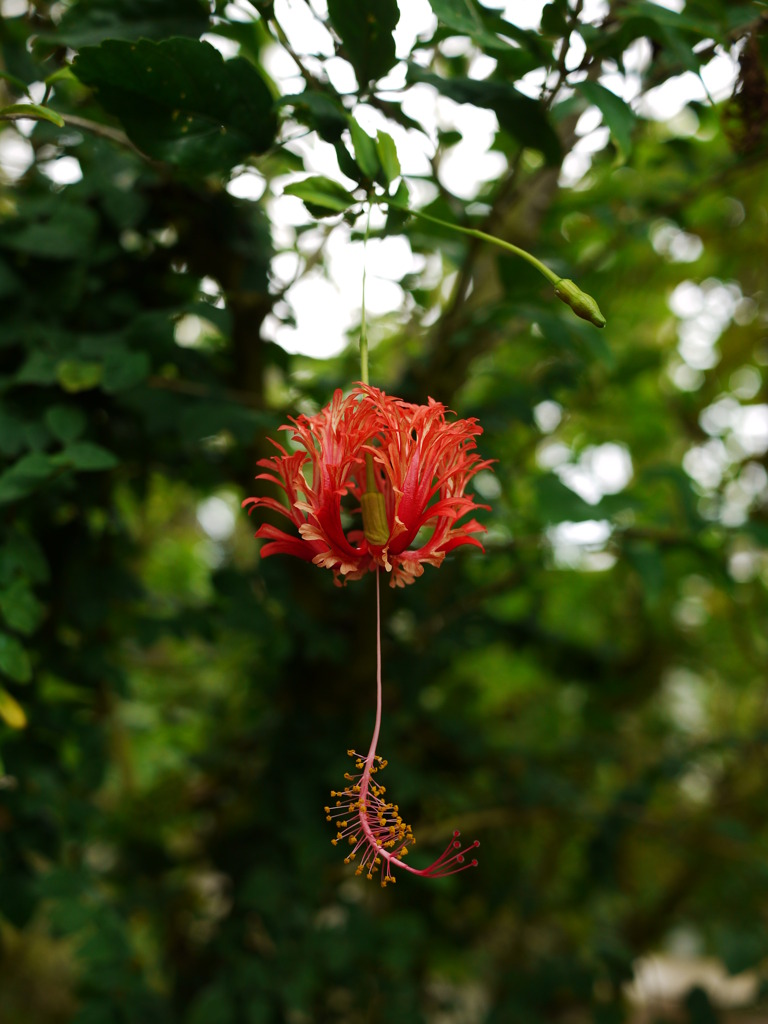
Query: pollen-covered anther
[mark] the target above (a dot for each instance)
(376, 830)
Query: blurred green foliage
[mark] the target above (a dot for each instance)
(588, 698)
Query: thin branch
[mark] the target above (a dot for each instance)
(103, 131)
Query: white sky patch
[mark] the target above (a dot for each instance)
(547, 415)
(704, 312)
(227, 47)
(683, 698)
(216, 517)
(697, 344)
(416, 19)
(750, 429)
(486, 485)
(601, 469)
(579, 160)
(581, 545)
(210, 286)
(305, 33)
(745, 382)
(16, 154)
(189, 331)
(706, 464)
(551, 454)
(719, 76)
(322, 318)
(687, 300)
(341, 75)
(745, 565)
(678, 246)
(247, 184)
(64, 171)
(237, 12)
(326, 306)
(281, 68)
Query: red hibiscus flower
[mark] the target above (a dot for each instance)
(402, 468)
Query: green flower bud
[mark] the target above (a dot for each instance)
(583, 305)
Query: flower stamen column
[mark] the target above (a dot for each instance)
(371, 824)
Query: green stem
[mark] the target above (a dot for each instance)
(583, 305)
(483, 237)
(363, 326)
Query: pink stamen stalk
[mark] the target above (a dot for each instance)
(372, 825)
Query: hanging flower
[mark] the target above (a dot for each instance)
(402, 468)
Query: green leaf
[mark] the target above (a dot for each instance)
(92, 21)
(618, 116)
(397, 215)
(11, 712)
(387, 151)
(365, 28)
(12, 435)
(65, 422)
(520, 116)
(124, 369)
(86, 455)
(486, 28)
(55, 230)
(322, 196)
(25, 476)
(78, 375)
(553, 21)
(22, 555)
(35, 111)
(18, 84)
(21, 609)
(38, 368)
(318, 111)
(465, 19)
(14, 660)
(366, 157)
(181, 102)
